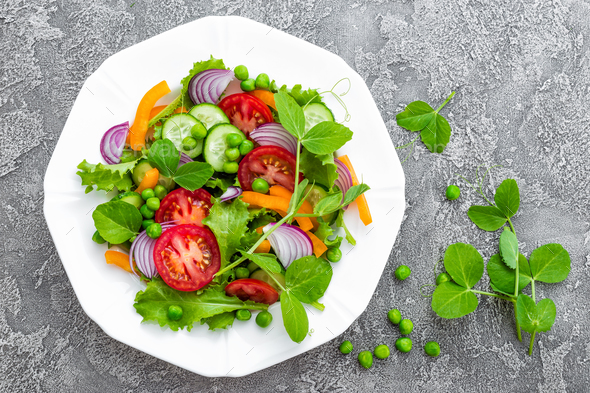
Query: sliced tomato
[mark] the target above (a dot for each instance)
(185, 207)
(271, 163)
(187, 257)
(245, 111)
(251, 289)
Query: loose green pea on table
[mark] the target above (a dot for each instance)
(366, 359)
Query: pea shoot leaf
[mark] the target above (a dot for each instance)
(267, 262)
(533, 317)
(308, 278)
(106, 177)
(507, 197)
(354, 192)
(509, 248)
(488, 218)
(294, 317)
(340, 223)
(318, 168)
(153, 303)
(220, 321)
(453, 301)
(550, 263)
(416, 116)
(117, 221)
(328, 203)
(503, 278)
(437, 134)
(324, 231)
(228, 221)
(193, 175)
(464, 263)
(326, 137)
(290, 114)
(164, 156)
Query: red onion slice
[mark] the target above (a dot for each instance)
(208, 85)
(231, 193)
(113, 142)
(143, 249)
(274, 134)
(344, 180)
(184, 159)
(289, 243)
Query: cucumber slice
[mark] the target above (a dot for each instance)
(265, 277)
(316, 113)
(177, 127)
(315, 195)
(208, 114)
(139, 172)
(216, 144)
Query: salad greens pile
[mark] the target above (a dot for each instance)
(509, 271)
(202, 200)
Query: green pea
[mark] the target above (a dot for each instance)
(403, 344)
(241, 72)
(243, 315)
(246, 147)
(147, 194)
(432, 349)
(252, 266)
(153, 203)
(443, 277)
(406, 326)
(381, 351)
(402, 272)
(260, 185)
(248, 84)
(97, 238)
(199, 131)
(146, 223)
(174, 313)
(394, 316)
(242, 272)
(262, 81)
(366, 359)
(263, 319)
(334, 254)
(189, 143)
(453, 192)
(160, 191)
(147, 212)
(233, 139)
(154, 231)
(230, 167)
(128, 156)
(232, 154)
(346, 347)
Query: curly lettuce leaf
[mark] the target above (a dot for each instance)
(228, 221)
(318, 168)
(153, 303)
(302, 96)
(106, 177)
(220, 321)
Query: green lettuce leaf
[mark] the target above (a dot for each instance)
(302, 96)
(318, 168)
(106, 177)
(220, 321)
(153, 303)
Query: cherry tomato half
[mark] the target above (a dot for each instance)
(187, 257)
(271, 163)
(245, 111)
(184, 207)
(252, 289)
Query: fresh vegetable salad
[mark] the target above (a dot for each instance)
(227, 200)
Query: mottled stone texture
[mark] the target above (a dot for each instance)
(521, 72)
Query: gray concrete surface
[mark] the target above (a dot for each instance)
(521, 72)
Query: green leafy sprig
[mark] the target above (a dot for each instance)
(435, 130)
(509, 271)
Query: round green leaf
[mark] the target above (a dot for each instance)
(117, 221)
(294, 317)
(488, 218)
(535, 317)
(452, 301)
(509, 248)
(550, 263)
(502, 277)
(507, 197)
(464, 263)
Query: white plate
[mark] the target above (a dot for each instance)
(110, 96)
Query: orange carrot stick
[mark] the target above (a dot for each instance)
(361, 201)
(265, 96)
(264, 247)
(278, 204)
(319, 248)
(306, 208)
(150, 180)
(142, 116)
(118, 258)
